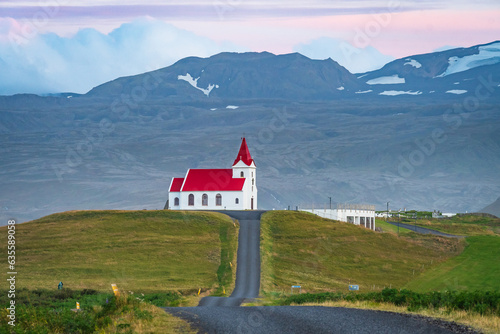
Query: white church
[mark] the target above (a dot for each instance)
(217, 189)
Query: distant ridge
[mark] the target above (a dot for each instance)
(493, 208)
(243, 76)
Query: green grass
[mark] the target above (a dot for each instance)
(477, 268)
(386, 227)
(323, 255)
(140, 251)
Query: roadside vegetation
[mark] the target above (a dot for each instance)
(54, 312)
(156, 258)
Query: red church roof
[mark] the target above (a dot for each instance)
(244, 154)
(176, 184)
(212, 180)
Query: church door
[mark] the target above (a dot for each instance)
(251, 205)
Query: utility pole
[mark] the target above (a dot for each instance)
(330, 202)
(399, 219)
(387, 215)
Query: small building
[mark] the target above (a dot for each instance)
(357, 214)
(233, 188)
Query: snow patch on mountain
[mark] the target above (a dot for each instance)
(399, 92)
(413, 63)
(389, 80)
(232, 107)
(364, 92)
(194, 82)
(456, 91)
(488, 55)
(341, 88)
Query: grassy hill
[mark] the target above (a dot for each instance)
(140, 251)
(323, 255)
(477, 268)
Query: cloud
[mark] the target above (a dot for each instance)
(48, 63)
(221, 9)
(356, 60)
(445, 48)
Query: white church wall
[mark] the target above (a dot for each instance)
(171, 200)
(228, 200)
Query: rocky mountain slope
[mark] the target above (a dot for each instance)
(118, 146)
(493, 208)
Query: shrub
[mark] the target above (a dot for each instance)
(482, 302)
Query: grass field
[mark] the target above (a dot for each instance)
(322, 255)
(477, 268)
(140, 251)
(466, 225)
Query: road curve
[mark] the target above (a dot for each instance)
(247, 283)
(423, 230)
(308, 319)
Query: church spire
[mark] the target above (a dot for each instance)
(244, 154)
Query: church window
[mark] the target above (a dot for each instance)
(237, 201)
(191, 199)
(242, 174)
(176, 201)
(218, 200)
(204, 200)
(253, 182)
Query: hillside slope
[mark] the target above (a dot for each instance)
(140, 251)
(324, 255)
(476, 268)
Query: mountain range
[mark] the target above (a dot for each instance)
(422, 132)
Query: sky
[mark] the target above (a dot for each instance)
(74, 45)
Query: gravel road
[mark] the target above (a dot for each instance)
(247, 283)
(309, 319)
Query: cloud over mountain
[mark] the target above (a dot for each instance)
(356, 60)
(47, 63)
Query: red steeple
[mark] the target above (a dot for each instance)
(244, 154)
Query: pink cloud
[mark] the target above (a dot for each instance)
(398, 34)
